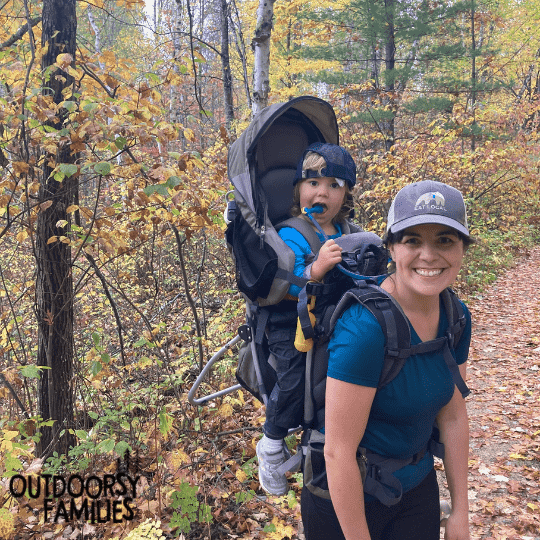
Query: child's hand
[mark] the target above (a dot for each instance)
(329, 256)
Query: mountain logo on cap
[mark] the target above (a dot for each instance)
(431, 199)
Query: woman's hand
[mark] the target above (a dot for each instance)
(457, 526)
(329, 255)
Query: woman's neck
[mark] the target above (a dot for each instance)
(422, 311)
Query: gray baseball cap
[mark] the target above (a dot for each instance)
(428, 201)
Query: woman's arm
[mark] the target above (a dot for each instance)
(453, 424)
(347, 411)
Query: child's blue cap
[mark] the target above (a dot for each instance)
(339, 164)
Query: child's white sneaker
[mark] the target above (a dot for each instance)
(271, 454)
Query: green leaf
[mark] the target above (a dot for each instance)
(71, 106)
(105, 358)
(160, 189)
(120, 142)
(90, 107)
(68, 169)
(31, 371)
(121, 448)
(102, 168)
(81, 434)
(173, 181)
(106, 446)
(96, 338)
(140, 343)
(165, 422)
(96, 368)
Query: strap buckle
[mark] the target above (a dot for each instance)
(394, 353)
(374, 471)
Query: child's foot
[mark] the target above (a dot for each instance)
(272, 454)
(446, 509)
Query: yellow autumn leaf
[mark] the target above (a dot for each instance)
(64, 59)
(241, 475)
(226, 410)
(22, 236)
(189, 135)
(282, 530)
(52, 239)
(72, 208)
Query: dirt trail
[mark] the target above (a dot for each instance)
(504, 407)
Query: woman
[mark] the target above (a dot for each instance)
(427, 237)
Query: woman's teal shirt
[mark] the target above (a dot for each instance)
(403, 412)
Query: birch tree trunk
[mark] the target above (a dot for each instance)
(261, 48)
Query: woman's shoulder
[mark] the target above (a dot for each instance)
(356, 349)
(357, 321)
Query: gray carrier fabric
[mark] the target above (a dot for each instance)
(262, 164)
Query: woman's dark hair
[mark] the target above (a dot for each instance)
(394, 238)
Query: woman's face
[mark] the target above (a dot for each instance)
(428, 258)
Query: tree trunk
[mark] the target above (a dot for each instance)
(261, 48)
(54, 282)
(226, 66)
(390, 73)
(473, 78)
(241, 49)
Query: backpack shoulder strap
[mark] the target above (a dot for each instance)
(456, 325)
(393, 322)
(348, 227)
(455, 315)
(305, 229)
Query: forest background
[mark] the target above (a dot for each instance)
(115, 282)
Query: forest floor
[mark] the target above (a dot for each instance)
(218, 454)
(504, 406)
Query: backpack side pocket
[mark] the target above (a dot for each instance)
(256, 264)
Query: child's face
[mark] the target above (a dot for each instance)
(325, 192)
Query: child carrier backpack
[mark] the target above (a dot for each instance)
(262, 164)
